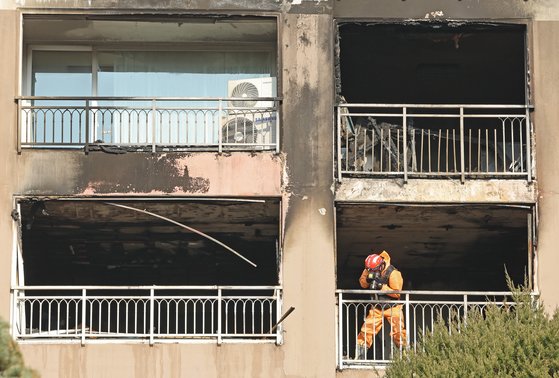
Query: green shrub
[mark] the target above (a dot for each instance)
(512, 341)
(11, 361)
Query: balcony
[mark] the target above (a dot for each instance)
(421, 310)
(433, 140)
(149, 124)
(146, 314)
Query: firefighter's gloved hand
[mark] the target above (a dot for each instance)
(372, 276)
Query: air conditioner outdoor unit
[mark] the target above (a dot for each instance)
(250, 121)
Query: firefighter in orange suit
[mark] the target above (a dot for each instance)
(380, 275)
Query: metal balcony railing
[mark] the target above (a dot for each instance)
(420, 311)
(138, 123)
(148, 314)
(463, 141)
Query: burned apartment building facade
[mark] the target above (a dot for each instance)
(193, 187)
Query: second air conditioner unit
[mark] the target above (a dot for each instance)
(250, 121)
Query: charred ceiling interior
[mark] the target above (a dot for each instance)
(78, 242)
(436, 247)
(432, 63)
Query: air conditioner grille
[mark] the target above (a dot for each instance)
(238, 130)
(244, 89)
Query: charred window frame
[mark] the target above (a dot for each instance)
(434, 99)
(453, 259)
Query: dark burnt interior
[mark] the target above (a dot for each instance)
(433, 63)
(452, 247)
(73, 242)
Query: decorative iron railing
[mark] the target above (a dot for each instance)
(150, 314)
(405, 140)
(138, 123)
(418, 310)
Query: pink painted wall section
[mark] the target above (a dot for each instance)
(237, 174)
(178, 174)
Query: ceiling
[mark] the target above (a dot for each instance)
(88, 242)
(88, 30)
(433, 63)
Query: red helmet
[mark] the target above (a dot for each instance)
(373, 261)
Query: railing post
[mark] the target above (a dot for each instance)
(219, 338)
(339, 338)
(18, 121)
(20, 318)
(13, 313)
(220, 129)
(278, 128)
(405, 141)
(151, 314)
(407, 320)
(278, 315)
(339, 141)
(530, 226)
(153, 120)
(84, 307)
(528, 145)
(465, 308)
(86, 147)
(462, 165)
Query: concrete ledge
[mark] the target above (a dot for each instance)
(436, 191)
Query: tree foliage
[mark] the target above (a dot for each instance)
(520, 340)
(11, 360)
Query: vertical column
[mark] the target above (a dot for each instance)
(546, 81)
(309, 258)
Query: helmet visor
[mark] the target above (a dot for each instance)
(377, 268)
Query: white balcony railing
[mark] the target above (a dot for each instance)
(420, 311)
(146, 314)
(138, 123)
(462, 141)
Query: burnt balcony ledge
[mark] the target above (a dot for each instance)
(437, 191)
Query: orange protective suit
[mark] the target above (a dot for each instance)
(394, 314)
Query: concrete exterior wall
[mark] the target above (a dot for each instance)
(8, 78)
(447, 10)
(546, 84)
(302, 175)
(308, 265)
(178, 360)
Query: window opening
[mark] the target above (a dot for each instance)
(155, 83)
(128, 270)
(433, 99)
